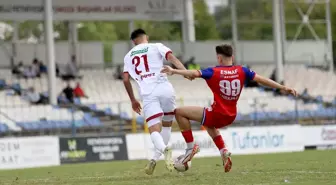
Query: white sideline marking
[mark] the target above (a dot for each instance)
(53, 180)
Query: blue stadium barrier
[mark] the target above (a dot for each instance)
(3, 128)
(319, 99)
(95, 122)
(291, 114)
(16, 87)
(239, 117)
(91, 121)
(77, 101)
(3, 83)
(124, 115)
(51, 124)
(92, 106)
(108, 111)
(140, 120)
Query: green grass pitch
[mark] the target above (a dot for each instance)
(303, 168)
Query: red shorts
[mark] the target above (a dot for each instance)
(213, 119)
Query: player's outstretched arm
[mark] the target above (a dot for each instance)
(128, 86)
(175, 61)
(187, 73)
(270, 83)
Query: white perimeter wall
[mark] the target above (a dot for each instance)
(88, 53)
(248, 51)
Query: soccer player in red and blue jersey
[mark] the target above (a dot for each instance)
(226, 82)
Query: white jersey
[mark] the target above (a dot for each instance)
(144, 63)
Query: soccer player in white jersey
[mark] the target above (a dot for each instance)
(144, 63)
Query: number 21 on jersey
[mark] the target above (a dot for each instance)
(140, 59)
(230, 88)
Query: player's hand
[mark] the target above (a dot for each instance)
(168, 70)
(291, 91)
(136, 106)
(189, 78)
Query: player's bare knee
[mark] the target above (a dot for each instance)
(154, 124)
(155, 128)
(179, 112)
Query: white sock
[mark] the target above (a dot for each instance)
(157, 155)
(190, 145)
(158, 141)
(165, 133)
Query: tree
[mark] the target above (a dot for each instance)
(161, 30)
(97, 31)
(257, 20)
(333, 18)
(205, 25)
(246, 11)
(28, 28)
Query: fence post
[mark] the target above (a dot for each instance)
(146, 127)
(256, 111)
(297, 111)
(73, 130)
(119, 111)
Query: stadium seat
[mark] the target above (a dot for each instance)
(108, 111)
(110, 97)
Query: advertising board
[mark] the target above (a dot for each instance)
(268, 139)
(170, 10)
(28, 152)
(320, 136)
(92, 149)
(244, 140)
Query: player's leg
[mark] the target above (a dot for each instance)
(165, 133)
(154, 128)
(166, 130)
(168, 105)
(210, 120)
(219, 142)
(166, 96)
(153, 114)
(168, 108)
(183, 116)
(216, 137)
(161, 147)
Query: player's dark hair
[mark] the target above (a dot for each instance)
(137, 33)
(225, 50)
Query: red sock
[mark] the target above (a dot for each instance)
(219, 142)
(188, 136)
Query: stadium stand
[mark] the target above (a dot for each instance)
(318, 82)
(107, 97)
